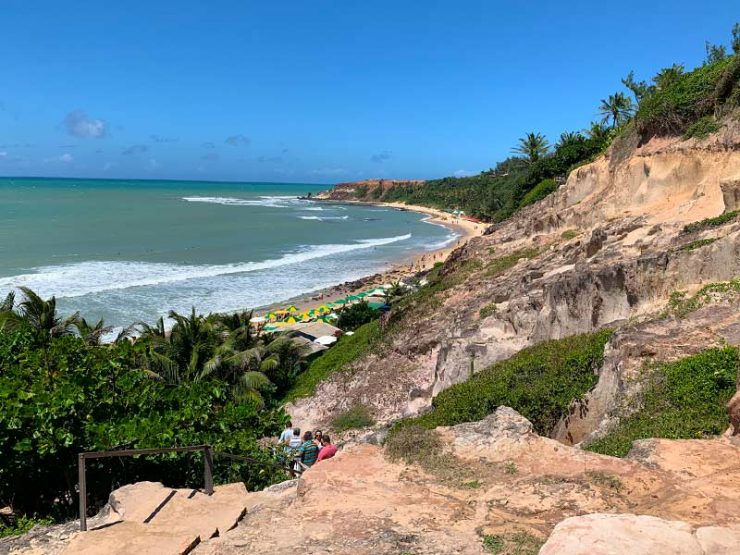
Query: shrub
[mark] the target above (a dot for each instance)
(540, 191)
(685, 400)
(711, 222)
(500, 265)
(681, 305)
(22, 525)
(348, 349)
(686, 98)
(418, 445)
(699, 243)
(539, 382)
(357, 416)
(356, 315)
(569, 234)
(702, 128)
(516, 543)
(487, 310)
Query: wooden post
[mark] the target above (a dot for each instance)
(208, 469)
(83, 491)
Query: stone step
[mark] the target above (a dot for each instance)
(209, 516)
(147, 518)
(129, 538)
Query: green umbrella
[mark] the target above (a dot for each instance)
(353, 298)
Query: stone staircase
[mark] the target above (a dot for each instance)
(148, 518)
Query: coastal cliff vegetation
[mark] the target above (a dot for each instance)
(675, 101)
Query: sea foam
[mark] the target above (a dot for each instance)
(84, 278)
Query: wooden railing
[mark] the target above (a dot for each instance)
(208, 454)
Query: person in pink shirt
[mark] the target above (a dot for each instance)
(328, 450)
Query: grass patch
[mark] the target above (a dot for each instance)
(702, 128)
(604, 479)
(569, 234)
(518, 543)
(417, 445)
(511, 468)
(711, 222)
(24, 524)
(539, 382)
(540, 191)
(487, 310)
(685, 401)
(699, 243)
(355, 417)
(681, 305)
(348, 349)
(503, 263)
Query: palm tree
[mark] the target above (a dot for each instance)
(569, 137)
(91, 334)
(618, 108)
(532, 147)
(8, 303)
(192, 341)
(40, 315)
(598, 132)
(668, 75)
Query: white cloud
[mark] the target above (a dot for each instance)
(78, 124)
(67, 158)
(464, 173)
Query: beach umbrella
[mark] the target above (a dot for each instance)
(291, 320)
(270, 327)
(271, 316)
(340, 302)
(292, 308)
(353, 298)
(361, 295)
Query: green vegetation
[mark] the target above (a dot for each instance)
(354, 417)
(210, 380)
(517, 543)
(540, 191)
(711, 222)
(356, 315)
(487, 310)
(501, 264)
(680, 305)
(672, 102)
(699, 243)
(539, 382)
(23, 525)
(569, 234)
(346, 350)
(685, 400)
(417, 445)
(679, 99)
(511, 468)
(702, 128)
(604, 479)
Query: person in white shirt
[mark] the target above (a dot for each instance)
(286, 434)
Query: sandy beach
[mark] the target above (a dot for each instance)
(398, 270)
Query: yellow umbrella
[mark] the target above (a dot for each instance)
(291, 320)
(292, 308)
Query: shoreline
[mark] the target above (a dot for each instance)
(398, 270)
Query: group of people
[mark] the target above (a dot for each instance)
(306, 450)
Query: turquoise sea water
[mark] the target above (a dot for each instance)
(131, 250)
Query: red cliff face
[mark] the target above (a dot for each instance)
(366, 189)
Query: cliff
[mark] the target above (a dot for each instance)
(366, 190)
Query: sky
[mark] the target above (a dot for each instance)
(318, 91)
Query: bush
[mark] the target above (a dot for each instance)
(711, 222)
(356, 315)
(357, 416)
(687, 98)
(23, 525)
(685, 401)
(702, 128)
(539, 382)
(96, 398)
(348, 349)
(500, 265)
(487, 310)
(540, 191)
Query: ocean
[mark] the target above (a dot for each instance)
(129, 251)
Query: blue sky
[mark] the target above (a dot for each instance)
(317, 91)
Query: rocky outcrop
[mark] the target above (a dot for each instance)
(606, 250)
(605, 534)
(366, 190)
